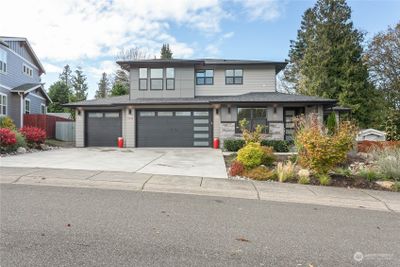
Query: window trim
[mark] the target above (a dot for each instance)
(169, 79)
(44, 111)
(205, 77)
(26, 111)
(233, 77)
(157, 79)
(2, 105)
(237, 126)
(147, 84)
(3, 64)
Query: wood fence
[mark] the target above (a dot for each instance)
(43, 121)
(65, 131)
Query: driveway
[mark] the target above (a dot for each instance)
(202, 162)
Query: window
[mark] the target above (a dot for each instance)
(183, 113)
(165, 113)
(254, 117)
(27, 107)
(142, 78)
(43, 108)
(3, 61)
(234, 76)
(156, 79)
(170, 74)
(3, 104)
(147, 114)
(204, 77)
(27, 70)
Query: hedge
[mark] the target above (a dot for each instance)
(234, 145)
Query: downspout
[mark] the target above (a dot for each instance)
(21, 109)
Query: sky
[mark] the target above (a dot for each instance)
(90, 33)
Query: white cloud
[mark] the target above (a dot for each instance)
(267, 10)
(51, 68)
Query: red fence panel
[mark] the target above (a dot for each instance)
(43, 121)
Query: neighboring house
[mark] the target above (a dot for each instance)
(21, 91)
(371, 135)
(187, 103)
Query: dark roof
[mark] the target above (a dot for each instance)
(204, 61)
(339, 108)
(27, 87)
(267, 97)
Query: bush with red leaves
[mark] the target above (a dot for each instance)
(34, 136)
(236, 169)
(7, 139)
(368, 146)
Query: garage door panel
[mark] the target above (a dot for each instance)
(166, 128)
(103, 128)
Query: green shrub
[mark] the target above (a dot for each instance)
(251, 155)
(285, 171)
(303, 180)
(343, 171)
(7, 122)
(233, 145)
(21, 142)
(369, 175)
(268, 157)
(260, 173)
(396, 187)
(388, 162)
(277, 145)
(331, 123)
(324, 179)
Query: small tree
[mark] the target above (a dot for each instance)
(248, 135)
(392, 125)
(119, 89)
(79, 85)
(331, 123)
(104, 87)
(166, 52)
(59, 94)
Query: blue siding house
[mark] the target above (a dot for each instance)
(21, 90)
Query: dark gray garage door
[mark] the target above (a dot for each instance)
(103, 128)
(166, 128)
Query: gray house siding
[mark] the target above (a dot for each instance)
(36, 102)
(184, 85)
(255, 79)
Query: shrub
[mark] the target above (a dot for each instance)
(304, 180)
(331, 123)
(388, 162)
(233, 145)
(324, 179)
(396, 187)
(369, 146)
(248, 135)
(21, 142)
(7, 139)
(320, 151)
(343, 171)
(369, 174)
(260, 173)
(7, 122)
(236, 168)
(251, 155)
(277, 145)
(268, 157)
(285, 171)
(392, 125)
(34, 136)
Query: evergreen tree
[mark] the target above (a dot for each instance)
(104, 87)
(327, 60)
(59, 94)
(119, 89)
(66, 76)
(79, 85)
(166, 52)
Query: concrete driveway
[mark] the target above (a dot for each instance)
(202, 162)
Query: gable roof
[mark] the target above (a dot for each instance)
(28, 47)
(249, 98)
(26, 88)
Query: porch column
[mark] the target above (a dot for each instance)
(79, 127)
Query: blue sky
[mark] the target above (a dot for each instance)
(89, 33)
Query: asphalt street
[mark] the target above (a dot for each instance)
(56, 226)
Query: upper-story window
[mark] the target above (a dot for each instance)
(170, 75)
(3, 61)
(142, 78)
(27, 70)
(156, 79)
(204, 77)
(27, 106)
(3, 104)
(234, 76)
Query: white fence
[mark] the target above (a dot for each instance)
(65, 131)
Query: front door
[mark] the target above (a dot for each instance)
(289, 113)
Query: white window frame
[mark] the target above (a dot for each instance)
(43, 108)
(2, 104)
(27, 111)
(3, 61)
(28, 71)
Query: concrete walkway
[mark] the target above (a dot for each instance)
(170, 161)
(273, 191)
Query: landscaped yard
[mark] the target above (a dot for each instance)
(328, 157)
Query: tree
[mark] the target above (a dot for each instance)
(383, 58)
(59, 94)
(166, 52)
(79, 85)
(104, 87)
(133, 53)
(392, 125)
(326, 60)
(119, 89)
(66, 76)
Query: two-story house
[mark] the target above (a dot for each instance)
(187, 103)
(21, 91)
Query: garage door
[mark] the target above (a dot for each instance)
(166, 128)
(103, 128)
